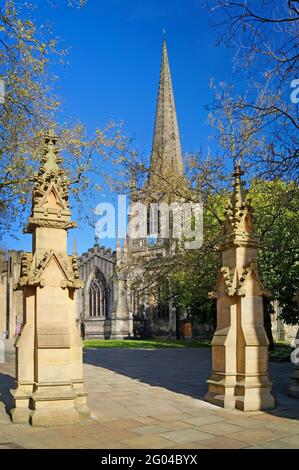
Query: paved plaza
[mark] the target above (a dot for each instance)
(154, 399)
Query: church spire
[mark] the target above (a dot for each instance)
(166, 155)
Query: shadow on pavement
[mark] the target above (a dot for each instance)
(184, 371)
(7, 382)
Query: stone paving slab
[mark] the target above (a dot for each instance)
(223, 442)
(154, 399)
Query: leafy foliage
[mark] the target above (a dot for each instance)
(30, 107)
(277, 222)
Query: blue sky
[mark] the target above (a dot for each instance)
(113, 69)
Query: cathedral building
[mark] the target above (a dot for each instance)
(115, 301)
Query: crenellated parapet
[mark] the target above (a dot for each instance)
(96, 250)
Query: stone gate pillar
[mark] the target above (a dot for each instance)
(49, 372)
(239, 377)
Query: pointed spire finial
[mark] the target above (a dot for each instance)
(239, 212)
(74, 247)
(51, 133)
(118, 243)
(238, 197)
(118, 252)
(50, 137)
(238, 172)
(96, 241)
(50, 153)
(133, 180)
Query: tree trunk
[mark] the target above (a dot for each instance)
(267, 322)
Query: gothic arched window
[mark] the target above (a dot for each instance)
(98, 305)
(161, 310)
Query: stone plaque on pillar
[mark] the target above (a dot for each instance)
(239, 377)
(49, 368)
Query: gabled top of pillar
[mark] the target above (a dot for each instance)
(50, 202)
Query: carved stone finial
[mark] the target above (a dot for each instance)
(74, 247)
(238, 197)
(50, 201)
(239, 218)
(50, 153)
